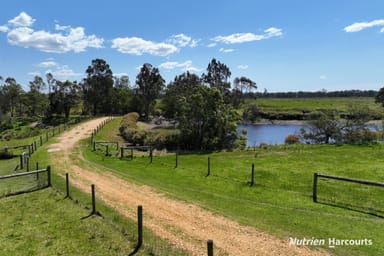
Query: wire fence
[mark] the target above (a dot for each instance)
(353, 194)
(18, 183)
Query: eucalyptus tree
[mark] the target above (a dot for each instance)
(217, 76)
(12, 92)
(244, 84)
(182, 86)
(122, 95)
(149, 84)
(98, 87)
(35, 100)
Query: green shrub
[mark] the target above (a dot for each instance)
(292, 139)
(364, 136)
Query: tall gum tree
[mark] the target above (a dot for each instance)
(98, 87)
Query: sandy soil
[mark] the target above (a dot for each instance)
(187, 226)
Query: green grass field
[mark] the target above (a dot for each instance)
(44, 223)
(313, 104)
(280, 203)
(298, 106)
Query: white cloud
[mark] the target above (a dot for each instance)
(248, 37)
(323, 77)
(211, 45)
(47, 64)
(382, 30)
(182, 40)
(64, 72)
(74, 40)
(226, 50)
(358, 26)
(22, 20)
(185, 66)
(242, 67)
(34, 73)
(67, 39)
(4, 29)
(139, 46)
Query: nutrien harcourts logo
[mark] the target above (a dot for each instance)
(330, 242)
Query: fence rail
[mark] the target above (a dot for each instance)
(19, 183)
(318, 175)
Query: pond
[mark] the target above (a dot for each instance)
(269, 133)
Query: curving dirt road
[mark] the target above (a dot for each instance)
(188, 226)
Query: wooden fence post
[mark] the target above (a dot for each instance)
(93, 199)
(139, 230)
(151, 153)
(314, 191)
(67, 185)
(49, 176)
(210, 247)
(253, 175)
(22, 161)
(27, 164)
(121, 152)
(209, 166)
(107, 150)
(41, 140)
(177, 159)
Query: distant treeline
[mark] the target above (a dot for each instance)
(319, 94)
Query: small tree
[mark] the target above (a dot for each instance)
(379, 98)
(206, 122)
(322, 127)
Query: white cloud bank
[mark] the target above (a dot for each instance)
(139, 46)
(358, 26)
(248, 37)
(185, 66)
(243, 67)
(65, 39)
(183, 40)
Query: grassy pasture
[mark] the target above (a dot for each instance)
(299, 106)
(281, 201)
(313, 104)
(44, 223)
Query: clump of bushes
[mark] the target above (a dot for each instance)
(292, 139)
(364, 136)
(158, 138)
(5, 154)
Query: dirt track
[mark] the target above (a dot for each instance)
(188, 226)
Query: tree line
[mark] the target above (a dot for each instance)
(317, 94)
(203, 107)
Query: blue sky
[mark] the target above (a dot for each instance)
(282, 45)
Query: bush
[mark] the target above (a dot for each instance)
(292, 139)
(158, 138)
(364, 136)
(5, 154)
(251, 113)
